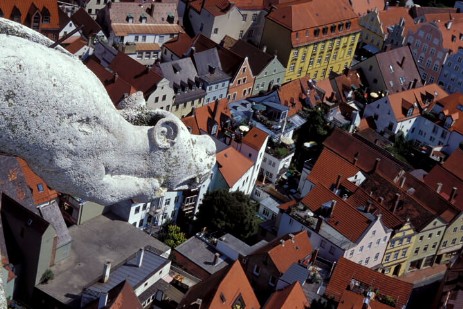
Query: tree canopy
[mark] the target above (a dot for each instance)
(174, 236)
(227, 212)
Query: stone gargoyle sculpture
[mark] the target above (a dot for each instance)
(56, 115)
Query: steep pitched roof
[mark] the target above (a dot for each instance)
(82, 18)
(222, 290)
(452, 105)
(453, 163)
(115, 85)
(393, 15)
(156, 13)
(448, 181)
(76, 45)
(28, 7)
(361, 7)
(206, 116)
(344, 218)
(179, 45)
(255, 138)
(41, 193)
(287, 250)
(451, 36)
(135, 73)
(291, 297)
(122, 296)
(346, 270)
(232, 165)
(290, 94)
(258, 59)
(422, 96)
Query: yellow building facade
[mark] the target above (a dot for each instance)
(308, 41)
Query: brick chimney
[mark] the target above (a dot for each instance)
(396, 202)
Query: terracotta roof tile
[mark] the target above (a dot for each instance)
(344, 82)
(392, 16)
(351, 300)
(75, 46)
(232, 165)
(118, 12)
(453, 163)
(450, 37)
(291, 297)
(41, 193)
(179, 45)
(451, 106)
(135, 73)
(290, 252)
(116, 87)
(205, 116)
(344, 218)
(125, 29)
(25, 6)
(255, 138)
(290, 94)
(346, 270)
(301, 15)
(122, 296)
(222, 289)
(449, 180)
(362, 7)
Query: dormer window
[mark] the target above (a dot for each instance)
(333, 28)
(325, 30)
(410, 112)
(143, 19)
(1, 13)
(448, 122)
(340, 26)
(348, 24)
(45, 16)
(129, 19)
(36, 21)
(316, 32)
(16, 15)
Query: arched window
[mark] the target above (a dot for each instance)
(1, 13)
(16, 15)
(36, 21)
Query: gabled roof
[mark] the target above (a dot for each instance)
(255, 138)
(329, 166)
(361, 7)
(179, 45)
(452, 105)
(344, 82)
(346, 270)
(451, 38)
(28, 7)
(453, 163)
(214, 7)
(422, 96)
(135, 73)
(222, 290)
(418, 11)
(41, 193)
(232, 165)
(393, 15)
(76, 46)
(287, 250)
(291, 297)
(178, 71)
(290, 94)
(115, 85)
(258, 59)
(206, 116)
(342, 217)
(449, 180)
(82, 18)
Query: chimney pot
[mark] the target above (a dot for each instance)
(453, 194)
(292, 237)
(439, 187)
(375, 168)
(140, 255)
(106, 272)
(282, 242)
(216, 258)
(396, 203)
(402, 182)
(381, 200)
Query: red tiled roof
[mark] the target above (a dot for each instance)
(41, 193)
(291, 297)
(344, 218)
(290, 94)
(344, 83)
(75, 46)
(205, 116)
(232, 165)
(255, 138)
(392, 16)
(179, 45)
(447, 178)
(451, 105)
(328, 166)
(125, 29)
(117, 88)
(222, 289)
(351, 300)
(27, 7)
(118, 12)
(135, 73)
(301, 15)
(81, 17)
(122, 296)
(453, 163)
(346, 270)
(450, 37)
(290, 252)
(361, 7)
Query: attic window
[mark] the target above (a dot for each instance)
(340, 26)
(45, 16)
(129, 18)
(16, 15)
(348, 24)
(222, 298)
(333, 28)
(40, 187)
(316, 32)
(239, 303)
(176, 67)
(143, 19)
(325, 30)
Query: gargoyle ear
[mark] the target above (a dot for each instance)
(164, 133)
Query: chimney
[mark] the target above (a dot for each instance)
(333, 204)
(319, 224)
(369, 206)
(449, 24)
(375, 168)
(381, 200)
(211, 69)
(106, 271)
(338, 182)
(140, 255)
(102, 300)
(453, 194)
(396, 203)
(115, 77)
(356, 158)
(439, 187)
(386, 6)
(292, 237)
(216, 258)
(282, 242)
(402, 182)
(264, 48)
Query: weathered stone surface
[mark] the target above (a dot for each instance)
(56, 114)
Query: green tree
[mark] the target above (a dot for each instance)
(174, 236)
(232, 213)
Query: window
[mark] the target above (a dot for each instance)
(455, 229)
(421, 238)
(254, 17)
(444, 244)
(351, 253)
(416, 251)
(167, 202)
(291, 67)
(391, 68)
(387, 257)
(376, 256)
(429, 235)
(137, 209)
(369, 245)
(425, 248)
(295, 53)
(323, 244)
(434, 245)
(435, 67)
(367, 260)
(164, 97)
(396, 255)
(378, 241)
(404, 252)
(40, 187)
(348, 24)
(216, 30)
(241, 34)
(272, 281)
(360, 262)
(454, 241)
(136, 38)
(143, 38)
(384, 238)
(361, 249)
